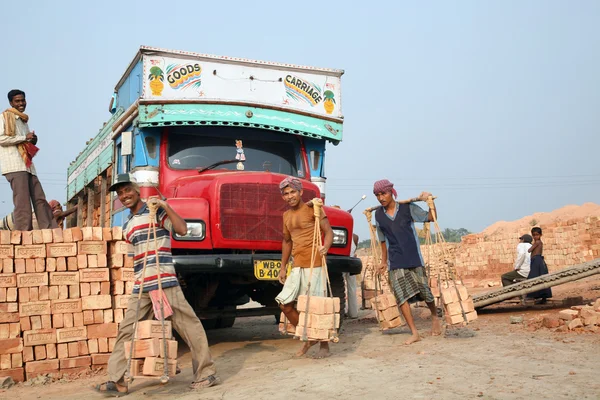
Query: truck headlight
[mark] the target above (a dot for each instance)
(196, 230)
(340, 237)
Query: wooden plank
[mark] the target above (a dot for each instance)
(103, 190)
(90, 206)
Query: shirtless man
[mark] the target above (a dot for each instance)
(298, 230)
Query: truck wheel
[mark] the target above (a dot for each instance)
(220, 322)
(338, 287)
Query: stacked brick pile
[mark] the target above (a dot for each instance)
(387, 311)
(481, 258)
(62, 296)
(581, 316)
(149, 351)
(319, 317)
(456, 300)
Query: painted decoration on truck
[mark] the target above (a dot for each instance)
(301, 90)
(183, 76)
(155, 80)
(313, 91)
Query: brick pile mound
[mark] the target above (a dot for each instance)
(571, 236)
(62, 295)
(577, 319)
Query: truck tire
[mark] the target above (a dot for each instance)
(220, 322)
(338, 287)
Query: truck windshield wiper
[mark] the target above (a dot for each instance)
(223, 162)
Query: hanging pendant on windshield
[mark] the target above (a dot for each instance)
(240, 156)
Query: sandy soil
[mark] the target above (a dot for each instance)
(502, 361)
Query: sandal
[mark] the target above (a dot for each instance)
(110, 389)
(205, 383)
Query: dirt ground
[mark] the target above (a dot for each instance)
(502, 361)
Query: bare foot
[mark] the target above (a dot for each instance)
(323, 351)
(414, 338)
(436, 327)
(305, 348)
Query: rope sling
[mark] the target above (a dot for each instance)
(152, 208)
(317, 242)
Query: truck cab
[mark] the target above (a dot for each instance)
(215, 136)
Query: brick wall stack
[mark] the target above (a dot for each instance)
(481, 258)
(62, 295)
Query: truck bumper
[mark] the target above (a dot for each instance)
(244, 263)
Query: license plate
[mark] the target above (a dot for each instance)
(268, 270)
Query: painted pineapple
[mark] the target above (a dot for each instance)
(156, 78)
(329, 102)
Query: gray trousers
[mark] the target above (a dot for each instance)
(185, 322)
(27, 190)
(351, 295)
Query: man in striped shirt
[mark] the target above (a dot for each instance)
(184, 319)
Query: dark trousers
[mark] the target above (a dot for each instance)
(27, 190)
(512, 277)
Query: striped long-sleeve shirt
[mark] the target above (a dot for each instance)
(136, 233)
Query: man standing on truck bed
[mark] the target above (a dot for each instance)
(401, 253)
(17, 148)
(298, 231)
(184, 319)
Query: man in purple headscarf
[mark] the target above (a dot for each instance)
(401, 253)
(298, 231)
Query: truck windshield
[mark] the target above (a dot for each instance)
(263, 150)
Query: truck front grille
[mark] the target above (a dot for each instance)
(253, 211)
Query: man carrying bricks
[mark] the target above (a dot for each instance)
(401, 253)
(298, 231)
(184, 319)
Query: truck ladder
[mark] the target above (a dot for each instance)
(566, 275)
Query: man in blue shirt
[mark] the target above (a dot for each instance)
(401, 253)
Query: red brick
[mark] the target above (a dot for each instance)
(74, 372)
(46, 322)
(62, 350)
(97, 233)
(102, 261)
(43, 293)
(143, 348)
(67, 236)
(51, 351)
(57, 320)
(14, 330)
(68, 320)
(34, 294)
(19, 266)
(568, 315)
(8, 280)
(100, 358)
(82, 261)
(103, 345)
(78, 319)
(117, 233)
(17, 374)
(33, 251)
(36, 368)
(94, 275)
(28, 354)
(63, 292)
(30, 265)
(92, 247)
(88, 317)
(87, 233)
(53, 292)
(15, 237)
(38, 238)
(75, 362)
(83, 347)
(77, 234)
(99, 302)
(36, 322)
(5, 361)
(8, 317)
(116, 261)
(32, 279)
(10, 346)
(153, 329)
(66, 306)
(84, 289)
(47, 236)
(102, 331)
(34, 308)
(74, 291)
(73, 334)
(39, 336)
(73, 348)
(107, 234)
(94, 288)
(25, 323)
(7, 251)
(8, 266)
(61, 249)
(39, 352)
(93, 346)
(4, 237)
(57, 235)
(98, 316)
(17, 360)
(72, 264)
(154, 366)
(27, 238)
(61, 264)
(108, 316)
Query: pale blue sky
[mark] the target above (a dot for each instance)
(492, 106)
